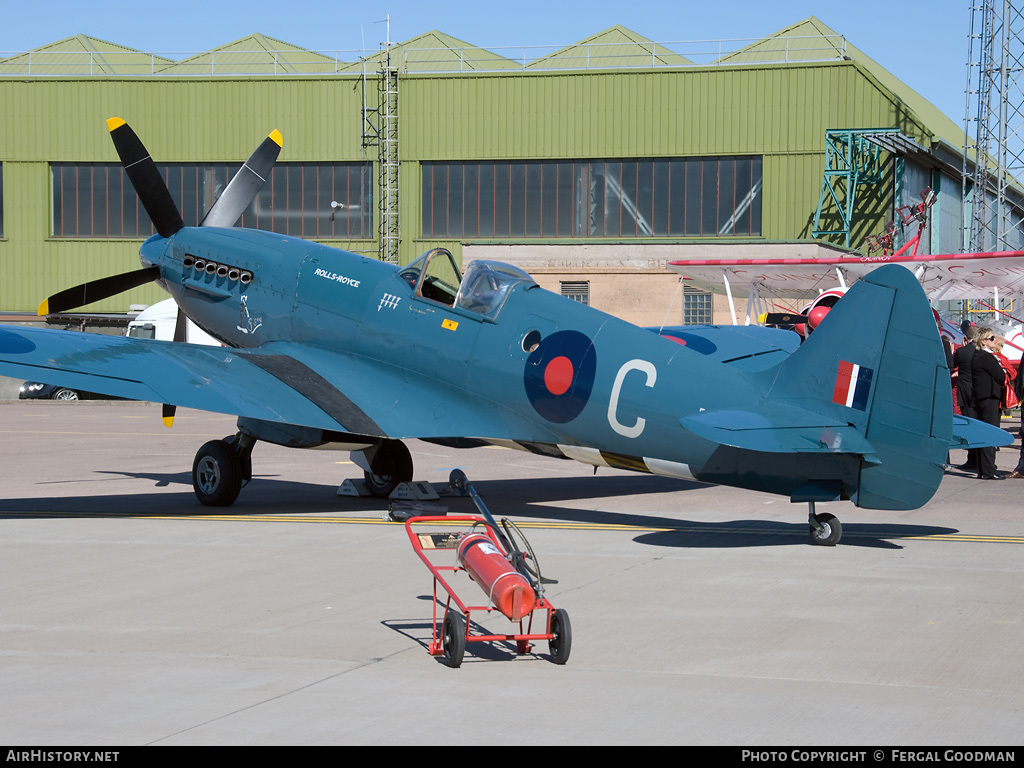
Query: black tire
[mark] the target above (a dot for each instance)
(392, 464)
(64, 394)
(216, 474)
(453, 638)
(831, 533)
(561, 644)
(244, 456)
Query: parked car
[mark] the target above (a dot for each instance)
(33, 390)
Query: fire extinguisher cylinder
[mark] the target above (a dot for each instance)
(506, 588)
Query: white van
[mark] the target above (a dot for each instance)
(157, 322)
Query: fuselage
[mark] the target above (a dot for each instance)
(539, 371)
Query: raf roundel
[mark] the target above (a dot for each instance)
(559, 375)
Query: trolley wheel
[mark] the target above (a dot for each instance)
(561, 643)
(453, 638)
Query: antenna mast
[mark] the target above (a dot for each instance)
(995, 109)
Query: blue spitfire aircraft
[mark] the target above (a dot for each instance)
(324, 346)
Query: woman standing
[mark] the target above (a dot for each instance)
(988, 379)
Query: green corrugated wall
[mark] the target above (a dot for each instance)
(780, 112)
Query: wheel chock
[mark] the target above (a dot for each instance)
(353, 488)
(414, 491)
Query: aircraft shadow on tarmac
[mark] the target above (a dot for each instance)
(520, 498)
(531, 499)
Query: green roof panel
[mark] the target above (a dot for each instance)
(254, 55)
(614, 48)
(82, 56)
(435, 51)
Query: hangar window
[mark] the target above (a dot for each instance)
(97, 200)
(647, 197)
(697, 308)
(577, 290)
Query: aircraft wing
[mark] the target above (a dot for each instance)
(194, 376)
(280, 382)
(961, 276)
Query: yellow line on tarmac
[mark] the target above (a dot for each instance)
(968, 537)
(707, 528)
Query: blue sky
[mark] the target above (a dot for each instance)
(924, 44)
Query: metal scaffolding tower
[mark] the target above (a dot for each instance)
(852, 159)
(994, 116)
(380, 130)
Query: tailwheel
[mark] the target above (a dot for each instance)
(391, 464)
(825, 530)
(219, 469)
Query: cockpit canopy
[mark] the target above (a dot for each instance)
(482, 289)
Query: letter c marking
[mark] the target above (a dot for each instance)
(613, 404)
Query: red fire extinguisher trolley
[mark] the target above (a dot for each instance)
(503, 566)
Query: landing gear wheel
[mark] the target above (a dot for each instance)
(453, 638)
(65, 394)
(560, 645)
(217, 474)
(829, 534)
(391, 465)
(243, 447)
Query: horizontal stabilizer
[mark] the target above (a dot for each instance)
(786, 429)
(971, 433)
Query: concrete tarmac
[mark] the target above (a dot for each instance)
(131, 615)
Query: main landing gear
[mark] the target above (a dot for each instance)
(390, 464)
(220, 469)
(825, 530)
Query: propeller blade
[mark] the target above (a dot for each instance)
(144, 176)
(781, 318)
(245, 184)
(180, 334)
(180, 326)
(96, 290)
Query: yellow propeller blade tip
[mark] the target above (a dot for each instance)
(44, 308)
(113, 123)
(168, 421)
(762, 318)
(275, 136)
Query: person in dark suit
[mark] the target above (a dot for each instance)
(988, 378)
(964, 388)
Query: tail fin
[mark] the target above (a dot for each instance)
(877, 363)
(871, 389)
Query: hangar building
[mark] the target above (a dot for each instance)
(590, 166)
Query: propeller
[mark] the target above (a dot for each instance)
(156, 199)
